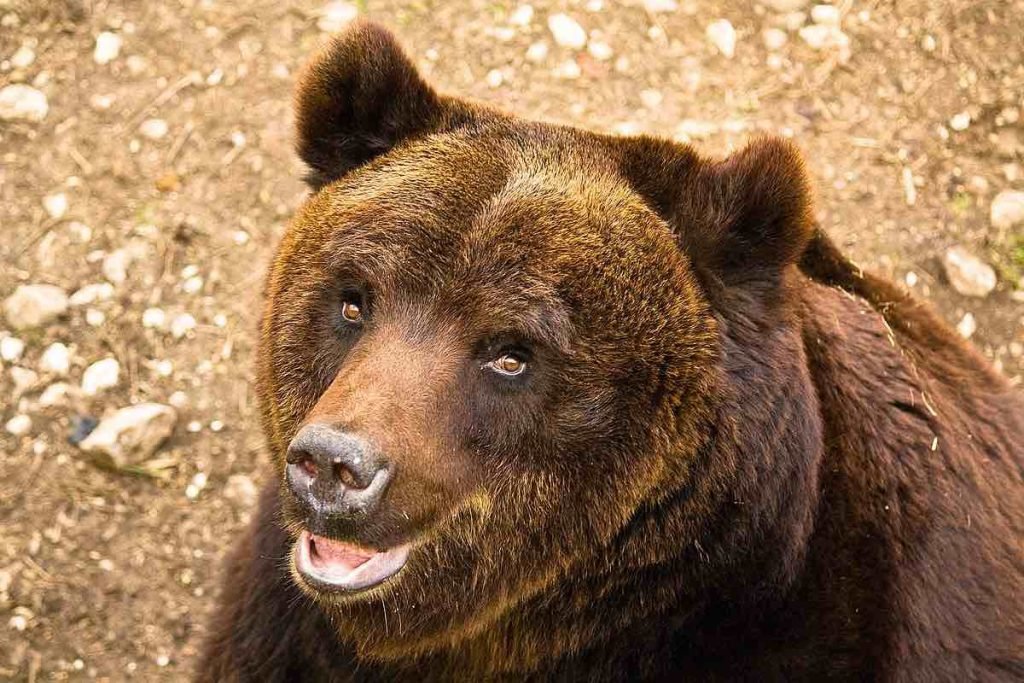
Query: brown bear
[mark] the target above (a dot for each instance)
(547, 404)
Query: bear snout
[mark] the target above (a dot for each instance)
(335, 475)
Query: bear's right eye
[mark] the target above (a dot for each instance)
(352, 311)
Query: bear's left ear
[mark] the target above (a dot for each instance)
(360, 97)
(741, 219)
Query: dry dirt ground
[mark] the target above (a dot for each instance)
(110, 575)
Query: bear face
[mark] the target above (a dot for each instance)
(517, 325)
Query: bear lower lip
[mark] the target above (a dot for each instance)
(331, 565)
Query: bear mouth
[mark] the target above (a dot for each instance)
(329, 565)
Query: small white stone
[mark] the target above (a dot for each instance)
(56, 359)
(80, 232)
(774, 38)
(11, 349)
(163, 368)
(108, 47)
(18, 622)
(967, 326)
(600, 50)
(335, 16)
(23, 379)
(537, 52)
(968, 274)
(216, 426)
(192, 285)
(103, 374)
(19, 425)
(132, 434)
(826, 15)
(238, 138)
(23, 57)
(195, 426)
(693, 129)
(723, 36)
(786, 6)
(91, 293)
(911, 278)
(94, 317)
(567, 70)
(215, 77)
(1007, 210)
(240, 237)
(154, 129)
(115, 265)
(20, 102)
(154, 318)
(658, 6)
(101, 102)
(56, 205)
(566, 31)
(162, 660)
(34, 305)
(240, 489)
(961, 121)
(495, 78)
(928, 43)
(197, 484)
(522, 16)
(179, 399)
(182, 324)
(54, 395)
(651, 98)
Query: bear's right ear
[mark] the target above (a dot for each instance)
(360, 97)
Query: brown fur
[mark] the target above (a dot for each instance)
(734, 457)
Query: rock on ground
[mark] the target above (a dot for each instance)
(20, 102)
(131, 435)
(723, 36)
(1007, 210)
(968, 274)
(101, 375)
(34, 305)
(566, 31)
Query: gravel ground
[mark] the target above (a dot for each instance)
(154, 187)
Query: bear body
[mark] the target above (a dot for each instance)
(637, 417)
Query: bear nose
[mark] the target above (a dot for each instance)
(334, 473)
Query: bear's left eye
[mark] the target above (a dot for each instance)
(509, 364)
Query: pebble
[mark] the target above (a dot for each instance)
(240, 489)
(20, 102)
(968, 274)
(567, 70)
(11, 349)
(600, 50)
(786, 6)
(154, 129)
(1007, 210)
(54, 395)
(967, 326)
(154, 318)
(94, 318)
(91, 293)
(495, 78)
(19, 425)
(179, 399)
(56, 205)
(826, 15)
(335, 16)
(566, 31)
(131, 434)
(182, 324)
(774, 38)
(961, 121)
(23, 379)
(723, 36)
(108, 47)
(103, 374)
(115, 265)
(522, 16)
(659, 6)
(195, 486)
(825, 37)
(537, 52)
(23, 57)
(34, 305)
(56, 359)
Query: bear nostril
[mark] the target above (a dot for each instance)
(308, 466)
(345, 475)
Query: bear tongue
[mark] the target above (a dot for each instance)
(328, 554)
